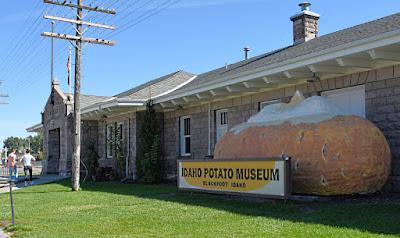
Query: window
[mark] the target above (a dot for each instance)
(109, 139)
(185, 136)
(223, 118)
(221, 123)
(267, 103)
(121, 131)
(349, 100)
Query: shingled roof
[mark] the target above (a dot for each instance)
(319, 44)
(88, 100)
(157, 86)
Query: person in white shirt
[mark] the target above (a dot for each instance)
(27, 160)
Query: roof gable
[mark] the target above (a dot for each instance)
(157, 86)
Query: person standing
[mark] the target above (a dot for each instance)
(27, 160)
(11, 164)
(3, 162)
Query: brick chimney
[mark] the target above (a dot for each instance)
(55, 83)
(305, 24)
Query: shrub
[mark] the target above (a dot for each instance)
(149, 163)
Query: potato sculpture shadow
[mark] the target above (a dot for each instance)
(331, 155)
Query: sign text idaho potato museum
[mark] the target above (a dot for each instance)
(266, 177)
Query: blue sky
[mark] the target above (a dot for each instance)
(193, 35)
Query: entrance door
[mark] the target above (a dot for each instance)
(222, 123)
(53, 149)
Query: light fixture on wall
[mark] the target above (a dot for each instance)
(314, 78)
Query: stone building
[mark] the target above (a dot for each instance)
(100, 116)
(356, 68)
(57, 129)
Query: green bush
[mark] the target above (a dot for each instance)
(149, 163)
(119, 149)
(40, 156)
(92, 159)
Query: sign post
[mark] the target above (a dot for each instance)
(266, 177)
(12, 203)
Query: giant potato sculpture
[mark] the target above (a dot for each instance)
(332, 153)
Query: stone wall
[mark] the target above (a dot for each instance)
(199, 138)
(55, 117)
(129, 129)
(382, 107)
(89, 139)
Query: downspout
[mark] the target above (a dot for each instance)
(129, 151)
(209, 129)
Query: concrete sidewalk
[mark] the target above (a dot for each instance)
(2, 234)
(43, 179)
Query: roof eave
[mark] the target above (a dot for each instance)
(110, 106)
(36, 128)
(354, 47)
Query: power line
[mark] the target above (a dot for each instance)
(2, 102)
(144, 17)
(78, 40)
(22, 77)
(30, 55)
(24, 51)
(22, 28)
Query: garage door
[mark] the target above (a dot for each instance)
(349, 100)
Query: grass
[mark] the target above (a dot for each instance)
(122, 210)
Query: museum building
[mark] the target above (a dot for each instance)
(357, 68)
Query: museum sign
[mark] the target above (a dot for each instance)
(269, 177)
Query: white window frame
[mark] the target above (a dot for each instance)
(347, 91)
(183, 136)
(221, 120)
(109, 135)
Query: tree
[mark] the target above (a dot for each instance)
(149, 163)
(15, 142)
(35, 143)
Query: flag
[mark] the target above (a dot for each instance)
(69, 69)
(69, 64)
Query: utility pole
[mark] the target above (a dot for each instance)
(76, 156)
(52, 53)
(78, 41)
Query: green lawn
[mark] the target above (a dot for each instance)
(121, 210)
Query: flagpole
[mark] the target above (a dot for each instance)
(69, 71)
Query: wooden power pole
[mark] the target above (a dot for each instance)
(78, 40)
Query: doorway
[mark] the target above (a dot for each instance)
(53, 148)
